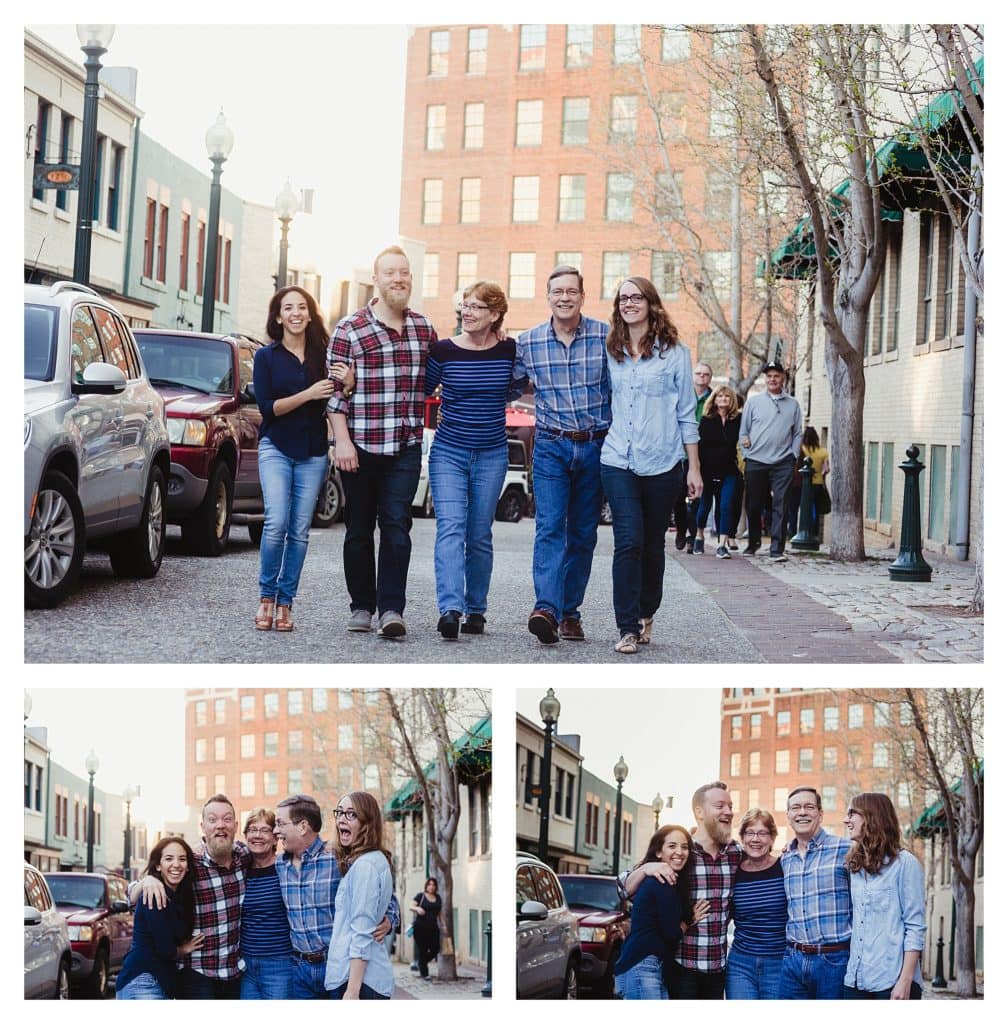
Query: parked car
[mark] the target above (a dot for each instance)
(603, 925)
(546, 942)
(97, 912)
(46, 941)
(96, 448)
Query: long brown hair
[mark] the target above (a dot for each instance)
(370, 835)
(316, 335)
(657, 841)
(661, 331)
(710, 410)
(880, 837)
(184, 894)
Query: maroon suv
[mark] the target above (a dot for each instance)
(603, 925)
(100, 923)
(213, 425)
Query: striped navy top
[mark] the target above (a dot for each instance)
(264, 927)
(475, 387)
(759, 907)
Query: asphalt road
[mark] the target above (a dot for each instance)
(201, 610)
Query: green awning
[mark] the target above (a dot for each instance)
(932, 819)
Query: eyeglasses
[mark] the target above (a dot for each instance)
(761, 834)
(255, 830)
(472, 307)
(561, 293)
(345, 812)
(851, 811)
(807, 808)
(631, 300)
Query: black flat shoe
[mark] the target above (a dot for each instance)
(474, 624)
(448, 625)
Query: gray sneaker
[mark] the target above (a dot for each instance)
(391, 625)
(778, 557)
(359, 621)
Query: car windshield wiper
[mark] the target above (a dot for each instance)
(77, 903)
(179, 384)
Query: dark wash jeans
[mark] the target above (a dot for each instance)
(641, 506)
(886, 993)
(685, 983)
(379, 493)
(760, 479)
(193, 985)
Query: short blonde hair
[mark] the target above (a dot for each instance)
(390, 250)
(255, 814)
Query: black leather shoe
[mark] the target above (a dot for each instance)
(448, 625)
(474, 624)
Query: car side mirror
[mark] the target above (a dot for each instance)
(32, 915)
(100, 379)
(120, 906)
(533, 910)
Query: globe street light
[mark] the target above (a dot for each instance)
(94, 40)
(549, 712)
(656, 805)
(620, 772)
(91, 766)
(286, 205)
(219, 143)
(130, 793)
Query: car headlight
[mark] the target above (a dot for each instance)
(191, 432)
(591, 934)
(80, 932)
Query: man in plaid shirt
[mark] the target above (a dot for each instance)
(378, 434)
(698, 971)
(817, 884)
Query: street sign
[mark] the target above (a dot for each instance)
(62, 177)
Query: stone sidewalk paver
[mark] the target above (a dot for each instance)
(409, 985)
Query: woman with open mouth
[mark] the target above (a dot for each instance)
(162, 937)
(358, 966)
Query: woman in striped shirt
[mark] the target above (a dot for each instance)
(759, 909)
(468, 458)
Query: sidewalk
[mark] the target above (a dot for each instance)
(813, 609)
(409, 985)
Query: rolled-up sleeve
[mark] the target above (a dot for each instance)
(262, 381)
(686, 406)
(338, 352)
(912, 901)
(365, 911)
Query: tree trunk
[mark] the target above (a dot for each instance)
(446, 887)
(965, 949)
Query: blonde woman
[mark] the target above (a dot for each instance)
(719, 435)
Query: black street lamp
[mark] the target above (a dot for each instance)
(130, 793)
(91, 766)
(620, 771)
(549, 712)
(286, 205)
(656, 805)
(94, 40)
(219, 143)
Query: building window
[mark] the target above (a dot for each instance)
(880, 755)
(295, 702)
(872, 483)
(99, 170)
(528, 123)
(886, 483)
(346, 737)
(248, 707)
(615, 268)
(668, 200)
(805, 759)
(717, 194)
(346, 699)
(719, 269)
(433, 197)
(370, 776)
(200, 788)
(532, 48)
(736, 727)
(294, 780)
(521, 275)
(220, 748)
(881, 716)
(184, 253)
(247, 780)
(755, 727)
(568, 259)
(472, 137)
(782, 762)
(436, 117)
(831, 719)
(722, 114)
(675, 43)
(320, 700)
(579, 46)
(200, 712)
(879, 320)
(525, 199)
(829, 794)
(622, 118)
(431, 263)
(572, 197)
(269, 783)
(469, 200)
(735, 765)
(626, 44)
(619, 197)
(665, 277)
(574, 127)
(465, 270)
(829, 759)
(806, 721)
(437, 64)
(754, 762)
(271, 744)
(927, 260)
(476, 58)
(41, 140)
(115, 188)
(150, 226)
(780, 798)
(855, 716)
(200, 751)
(295, 741)
(783, 723)
(200, 255)
(220, 711)
(937, 503)
(672, 114)
(248, 744)
(66, 137)
(905, 713)
(949, 260)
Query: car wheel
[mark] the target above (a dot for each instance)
(329, 507)
(605, 516)
(63, 981)
(255, 533)
(511, 506)
(570, 983)
(207, 530)
(99, 976)
(137, 553)
(54, 547)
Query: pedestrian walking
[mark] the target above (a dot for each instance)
(426, 910)
(719, 437)
(685, 515)
(821, 504)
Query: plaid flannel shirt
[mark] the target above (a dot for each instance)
(386, 412)
(704, 946)
(219, 893)
(818, 890)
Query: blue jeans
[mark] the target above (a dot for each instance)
(813, 975)
(143, 986)
(466, 485)
(641, 506)
(751, 976)
(645, 980)
(379, 493)
(267, 977)
(719, 495)
(568, 496)
(308, 980)
(290, 490)
(193, 985)
(365, 992)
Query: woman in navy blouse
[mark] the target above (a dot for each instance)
(291, 388)
(162, 937)
(468, 458)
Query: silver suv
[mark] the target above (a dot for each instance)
(546, 941)
(95, 442)
(46, 941)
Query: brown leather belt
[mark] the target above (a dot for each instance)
(834, 947)
(313, 958)
(575, 435)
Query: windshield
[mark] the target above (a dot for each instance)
(597, 893)
(199, 363)
(40, 335)
(77, 890)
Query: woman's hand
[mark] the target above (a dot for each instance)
(901, 990)
(323, 388)
(384, 927)
(351, 995)
(700, 910)
(188, 947)
(420, 910)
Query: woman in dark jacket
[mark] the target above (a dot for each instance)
(426, 931)
(719, 435)
(162, 937)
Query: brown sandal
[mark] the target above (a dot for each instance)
(264, 616)
(284, 622)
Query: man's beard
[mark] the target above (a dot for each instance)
(720, 832)
(218, 845)
(395, 300)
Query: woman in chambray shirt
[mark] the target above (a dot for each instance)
(887, 894)
(653, 434)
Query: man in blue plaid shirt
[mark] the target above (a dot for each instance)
(817, 883)
(565, 359)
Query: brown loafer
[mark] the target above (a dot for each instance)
(284, 622)
(264, 616)
(543, 625)
(570, 629)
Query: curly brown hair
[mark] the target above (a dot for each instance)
(370, 835)
(493, 296)
(880, 837)
(661, 331)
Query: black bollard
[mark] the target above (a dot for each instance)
(910, 565)
(939, 975)
(487, 989)
(807, 538)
